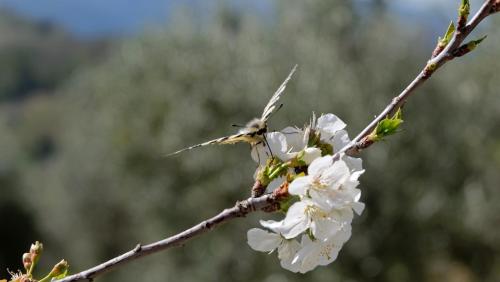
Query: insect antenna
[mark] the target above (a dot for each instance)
(279, 108)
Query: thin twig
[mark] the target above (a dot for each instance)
(268, 202)
(360, 142)
(240, 209)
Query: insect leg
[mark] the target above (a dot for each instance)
(267, 144)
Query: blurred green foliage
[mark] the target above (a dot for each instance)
(81, 170)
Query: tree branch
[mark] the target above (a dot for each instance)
(360, 142)
(269, 202)
(240, 209)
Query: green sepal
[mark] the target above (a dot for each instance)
(62, 275)
(279, 171)
(59, 271)
(298, 161)
(314, 138)
(326, 149)
(286, 203)
(310, 234)
(315, 141)
(273, 169)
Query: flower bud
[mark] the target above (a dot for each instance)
(27, 262)
(36, 251)
(60, 269)
(36, 248)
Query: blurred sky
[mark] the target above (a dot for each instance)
(98, 18)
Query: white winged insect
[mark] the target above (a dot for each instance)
(254, 131)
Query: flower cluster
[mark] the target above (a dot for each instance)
(322, 193)
(30, 260)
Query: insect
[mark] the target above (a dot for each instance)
(254, 131)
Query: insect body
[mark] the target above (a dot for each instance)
(253, 132)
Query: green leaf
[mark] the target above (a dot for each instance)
(464, 9)
(474, 43)
(447, 36)
(387, 126)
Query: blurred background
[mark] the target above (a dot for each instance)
(92, 93)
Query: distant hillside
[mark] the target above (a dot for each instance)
(35, 57)
(98, 19)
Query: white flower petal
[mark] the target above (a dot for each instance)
(339, 140)
(321, 199)
(358, 207)
(314, 253)
(259, 154)
(296, 220)
(273, 185)
(276, 143)
(319, 164)
(354, 164)
(273, 225)
(343, 235)
(295, 139)
(310, 154)
(322, 229)
(336, 174)
(309, 255)
(330, 123)
(263, 241)
(286, 253)
(300, 185)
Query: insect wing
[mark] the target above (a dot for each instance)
(271, 105)
(240, 137)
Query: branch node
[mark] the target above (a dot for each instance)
(207, 225)
(137, 248)
(244, 207)
(463, 14)
(258, 189)
(495, 7)
(429, 70)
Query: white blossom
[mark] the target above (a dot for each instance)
(328, 125)
(304, 215)
(290, 141)
(317, 252)
(322, 213)
(329, 184)
(284, 145)
(264, 241)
